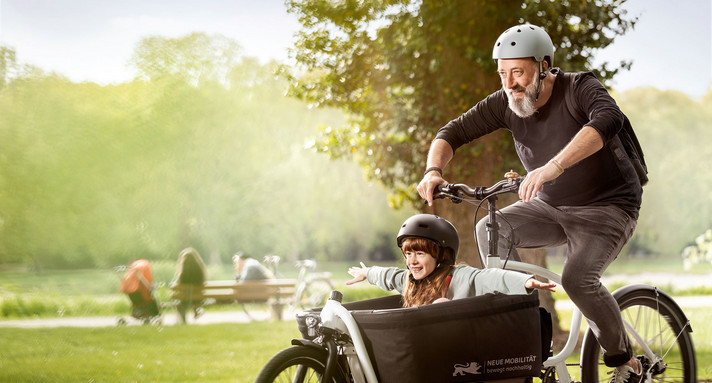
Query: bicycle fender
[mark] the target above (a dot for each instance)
(621, 292)
(306, 343)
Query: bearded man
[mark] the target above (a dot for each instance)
(581, 189)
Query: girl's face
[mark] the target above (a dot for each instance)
(420, 263)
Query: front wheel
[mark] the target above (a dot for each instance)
(299, 364)
(662, 325)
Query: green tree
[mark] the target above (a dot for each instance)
(101, 175)
(194, 58)
(401, 69)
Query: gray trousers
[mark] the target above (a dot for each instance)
(594, 236)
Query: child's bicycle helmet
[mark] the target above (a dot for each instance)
(432, 227)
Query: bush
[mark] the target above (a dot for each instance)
(31, 305)
(353, 293)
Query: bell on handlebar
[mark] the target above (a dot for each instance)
(511, 176)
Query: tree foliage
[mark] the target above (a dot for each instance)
(402, 68)
(201, 150)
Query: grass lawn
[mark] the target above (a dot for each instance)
(211, 353)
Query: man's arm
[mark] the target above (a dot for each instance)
(439, 156)
(585, 143)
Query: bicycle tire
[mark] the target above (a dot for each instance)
(317, 292)
(659, 320)
(300, 364)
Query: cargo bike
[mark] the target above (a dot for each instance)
(493, 338)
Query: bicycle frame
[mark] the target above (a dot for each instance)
(334, 316)
(557, 361)
(305, 276)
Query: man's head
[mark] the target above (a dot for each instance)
(524, 56)
(238, 260)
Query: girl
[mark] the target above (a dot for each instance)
(429, 244)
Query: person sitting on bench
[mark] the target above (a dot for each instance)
(249, 269)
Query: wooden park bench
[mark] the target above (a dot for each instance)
(275, 292)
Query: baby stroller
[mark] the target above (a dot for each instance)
(137, 283)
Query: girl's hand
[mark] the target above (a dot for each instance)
(359, 274)
(532, 283)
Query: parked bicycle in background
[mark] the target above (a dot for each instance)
(312, 287)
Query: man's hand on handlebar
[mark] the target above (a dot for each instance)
(427, 185)
(535, 180)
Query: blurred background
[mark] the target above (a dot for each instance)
(134, 129)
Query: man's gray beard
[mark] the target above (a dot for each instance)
(523, 107)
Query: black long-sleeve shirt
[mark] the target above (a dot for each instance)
(605, 177)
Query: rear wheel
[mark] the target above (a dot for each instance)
(662, 326)
(299, 364)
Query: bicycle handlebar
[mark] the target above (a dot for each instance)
(508, 185)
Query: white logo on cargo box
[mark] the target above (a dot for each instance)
(469, 368)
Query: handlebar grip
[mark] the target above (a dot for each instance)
(510, 185)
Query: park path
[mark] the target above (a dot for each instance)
(169, 318)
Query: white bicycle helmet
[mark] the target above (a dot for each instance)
(524, 40)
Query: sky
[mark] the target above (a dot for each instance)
(93, 40)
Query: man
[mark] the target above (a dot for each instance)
(581, 189)
(249, 269)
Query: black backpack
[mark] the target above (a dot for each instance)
(626, 134)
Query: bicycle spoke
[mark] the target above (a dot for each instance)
(676, 337)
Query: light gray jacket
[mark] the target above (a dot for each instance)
(466, 281)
